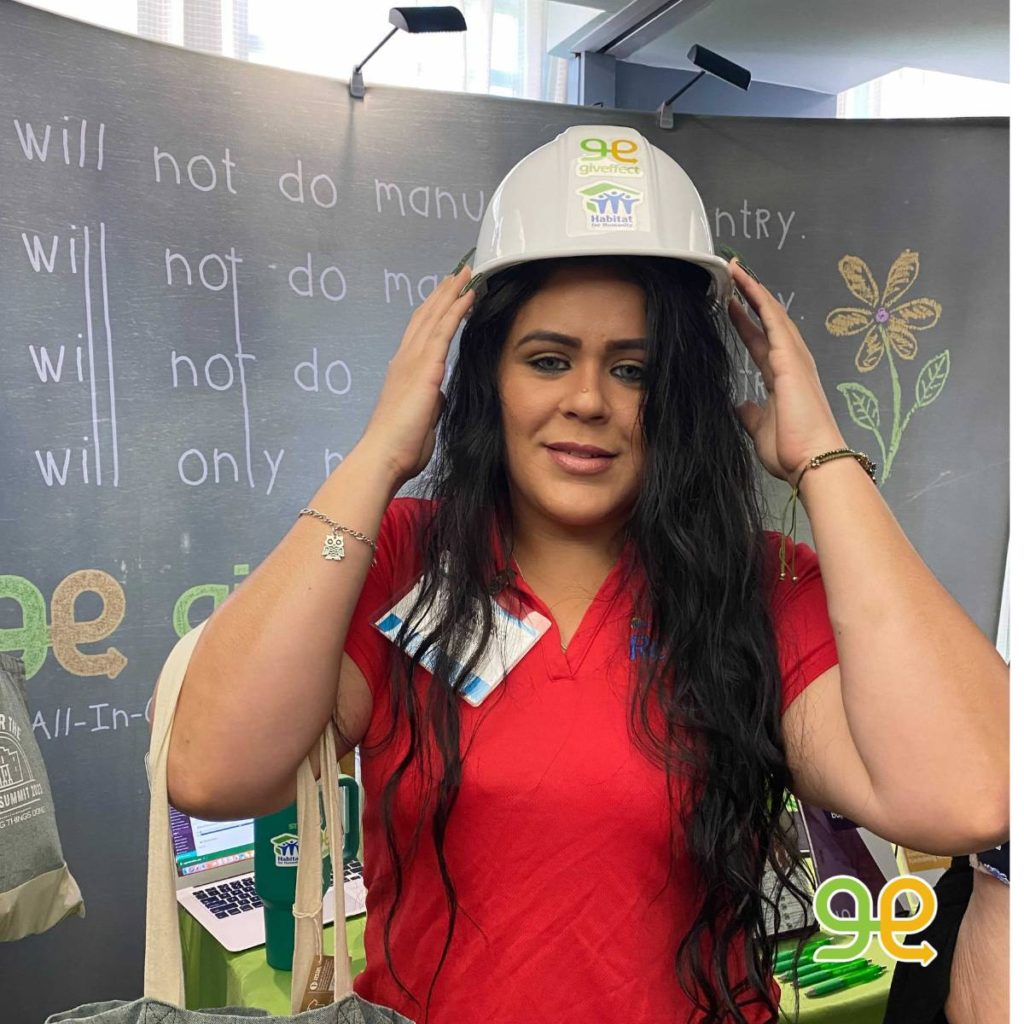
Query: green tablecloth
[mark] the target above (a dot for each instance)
(862, 1004)
(215, 977)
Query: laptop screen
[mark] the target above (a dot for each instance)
(202, 845)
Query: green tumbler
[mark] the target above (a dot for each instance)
(276, 838)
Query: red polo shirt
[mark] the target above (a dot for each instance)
(558, 842)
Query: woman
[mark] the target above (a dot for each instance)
(587, 842)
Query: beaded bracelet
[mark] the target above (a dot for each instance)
(838, 453)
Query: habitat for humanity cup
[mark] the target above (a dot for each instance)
(276, 839)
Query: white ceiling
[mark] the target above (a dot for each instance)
(824, 45)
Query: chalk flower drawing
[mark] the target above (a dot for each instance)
(889, 329)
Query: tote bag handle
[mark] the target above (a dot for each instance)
(164, 976)
(308, 908)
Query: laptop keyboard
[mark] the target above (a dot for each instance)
(230, 898)
(239, 896)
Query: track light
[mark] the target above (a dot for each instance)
(707, 60)
(410, 19)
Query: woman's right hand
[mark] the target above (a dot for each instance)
(403, 424)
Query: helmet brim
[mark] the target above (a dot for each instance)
(721, 280)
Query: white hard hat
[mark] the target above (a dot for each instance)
(597, 189)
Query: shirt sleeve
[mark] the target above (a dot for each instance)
(364, 643)
(803, 630)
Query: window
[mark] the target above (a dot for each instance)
(503, 52)
(914, 92)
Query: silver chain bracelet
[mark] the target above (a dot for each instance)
(334, 545)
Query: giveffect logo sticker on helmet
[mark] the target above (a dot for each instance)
(608, 158)
(610, 205)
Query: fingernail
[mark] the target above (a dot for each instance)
(749, 271)
(472, 283)
(465, 259)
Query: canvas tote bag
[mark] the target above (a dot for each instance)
(36, 887)
(164, 981)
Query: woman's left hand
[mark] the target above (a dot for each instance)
(796, 422)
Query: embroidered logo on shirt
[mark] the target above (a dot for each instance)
(640, 645)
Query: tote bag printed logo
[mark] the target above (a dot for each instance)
(610, 204)
(20, 794)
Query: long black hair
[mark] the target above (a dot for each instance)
(708, 708)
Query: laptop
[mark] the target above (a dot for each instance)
(213, 862)
(794, 919)
(840, 846)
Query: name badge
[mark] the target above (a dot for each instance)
(511, 638)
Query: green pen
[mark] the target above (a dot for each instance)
(826, 972)
(806, 960)
(810, 944)
(785, 958)
(786, 968)
(805, 971)
(847, 981)
(790, 958)
(813, 965)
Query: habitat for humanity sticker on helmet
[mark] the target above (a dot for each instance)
(610, 206)
(607, 203)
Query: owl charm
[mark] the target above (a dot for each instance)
(334, 547)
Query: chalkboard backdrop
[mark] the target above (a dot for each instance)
(205, 266)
